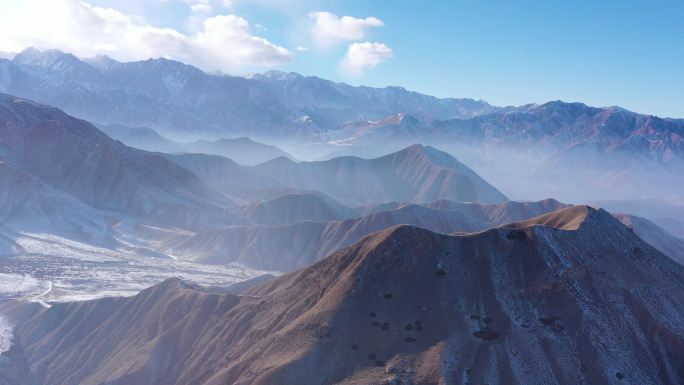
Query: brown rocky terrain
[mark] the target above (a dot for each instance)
(568, 297)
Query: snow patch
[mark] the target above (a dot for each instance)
(5, 335)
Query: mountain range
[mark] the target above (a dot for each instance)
(176, 98)
(278, 215)
(571, 296)
(362, 226)
(305, 236)
(571, 151)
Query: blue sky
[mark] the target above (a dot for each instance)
(626, 53)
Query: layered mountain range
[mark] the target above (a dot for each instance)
(195, 190)
(287, 242)
(391, 261)
(571, 296)
(279, 215)
(570, 151)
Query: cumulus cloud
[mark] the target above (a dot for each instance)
(223, 42)
(330, 29)
(362, 56)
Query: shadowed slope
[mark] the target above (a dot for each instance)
(292, 246)
(293, 208)
(73, 156)
(663, 241)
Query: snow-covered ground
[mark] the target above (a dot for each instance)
(47, 268)
(5, 335)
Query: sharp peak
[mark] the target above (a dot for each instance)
(417, 147)
(36, 51)
(31, 54)
(426, 151)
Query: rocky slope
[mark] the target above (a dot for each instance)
(570, 297)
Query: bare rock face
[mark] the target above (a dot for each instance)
(569, 297)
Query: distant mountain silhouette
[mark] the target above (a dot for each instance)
(178, 98)
(414, 174)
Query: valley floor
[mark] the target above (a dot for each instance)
(51, 269)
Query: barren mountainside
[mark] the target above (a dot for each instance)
(289, 246)
(564, 298)
(73, 156)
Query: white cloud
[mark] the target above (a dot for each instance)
(201, 7)
(330, 29)
(207, 6)
(222, 43)
(302, 49)
(362, 56)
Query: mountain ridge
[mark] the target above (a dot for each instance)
(481, 307)
(174, 88)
